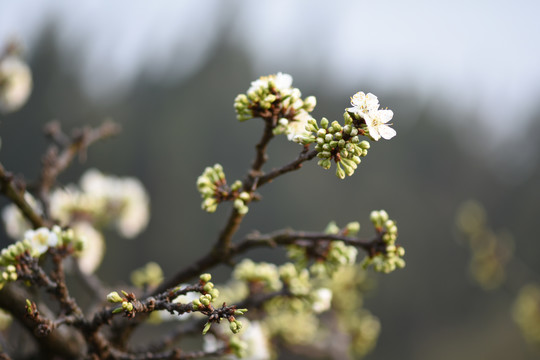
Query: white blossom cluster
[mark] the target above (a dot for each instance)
(103, 200)
(34, 243)
(99, 201)
(277, 90)
(367, 108)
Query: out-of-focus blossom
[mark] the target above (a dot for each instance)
(103, 200)
(14, 221)
(93, 246)
(15, 83)
(255, 344)
(322, 300)
(126, 195)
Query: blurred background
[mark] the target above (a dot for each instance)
(462, 78)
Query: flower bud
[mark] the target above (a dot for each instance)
(324, 123)
(208, 287)
(309, 103)
(205, 277)
(113, 297)
(206, 328)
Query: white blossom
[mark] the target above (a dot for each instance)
(282, 82)
(126, 195)
(257, 342)
(93, 246)
(376, 123)
(14, 221)
(15, 83)
(322, 300)
(41, 239)
(103, 200)
(252, 335)
(363, 104)
(297, 128)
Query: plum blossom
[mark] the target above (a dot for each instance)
(367, 108)
(41, 239)
(15, 83)
(363, 104)
(376, 122)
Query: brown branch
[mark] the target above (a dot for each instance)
(15, 193)
(289, 237)
(63, 342)
(305, 155)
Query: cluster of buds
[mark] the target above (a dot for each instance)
(213, 187)
(150, 275)
(491, 250)
(341, 143)
(273, 97)
(127, 303)
(263, 276)
(210, 293)
(387, 256)
(35, 243)
(329, 255)
(297, 281)
(338, 143)
(339, 254)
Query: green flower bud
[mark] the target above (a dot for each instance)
(204, 300)
(113, 297)
(205, 277)
(127, 306)
(214, 293)
(245, 196)
(340, 173)
(336, 126)
(196, 304)
(353, 228)
(208, 287)
(374, 216)
(28, 307)
(324, 123)
(347, 117)
(239, 312)
(309, 103)
(206, 328)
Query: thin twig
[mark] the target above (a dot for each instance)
(16, 195)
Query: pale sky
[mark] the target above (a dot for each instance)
(482, 55)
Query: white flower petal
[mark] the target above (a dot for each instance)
(386, 132)
(385, 115)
